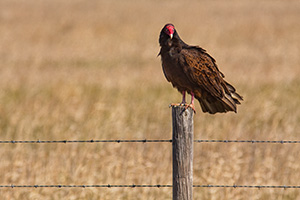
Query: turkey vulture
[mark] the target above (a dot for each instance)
(191, 69)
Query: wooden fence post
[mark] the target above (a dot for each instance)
(182, 148)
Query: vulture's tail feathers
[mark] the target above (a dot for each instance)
(223, 104)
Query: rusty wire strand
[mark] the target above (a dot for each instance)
(153, 186)
(146, 141)
(250, 141)
(77, 141)
(252, 186)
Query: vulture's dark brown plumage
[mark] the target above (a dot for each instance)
(191, 69)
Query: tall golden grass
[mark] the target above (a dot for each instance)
(88, 70)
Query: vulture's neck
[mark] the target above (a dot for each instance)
(173, 44)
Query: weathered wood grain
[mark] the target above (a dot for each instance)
(182, 146)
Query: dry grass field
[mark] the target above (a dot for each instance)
(89, 70)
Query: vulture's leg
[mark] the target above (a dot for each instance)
(183, 98)
(192, 99)
(191, 105)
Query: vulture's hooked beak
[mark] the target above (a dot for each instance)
(171, 35)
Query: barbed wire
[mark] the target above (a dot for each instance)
(251, 141)
(85, 186)
(152, 186)
(148, 186)
(78, 141)
(251, 186)
(145, 141)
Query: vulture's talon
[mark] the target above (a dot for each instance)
(192, 106)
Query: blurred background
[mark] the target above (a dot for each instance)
(89, 70)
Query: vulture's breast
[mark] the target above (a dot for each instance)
(173, 70)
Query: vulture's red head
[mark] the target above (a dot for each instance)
(169, 29)
(168, 34)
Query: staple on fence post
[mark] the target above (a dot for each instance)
(182, 150)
